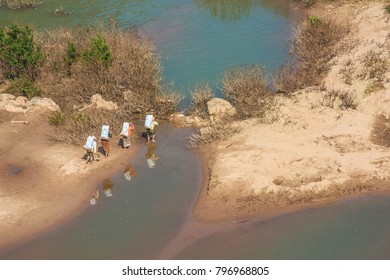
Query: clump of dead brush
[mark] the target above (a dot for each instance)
(218, 131)
(380, 133)
(246, 88)
(315, 42)
(19, 4)
(200, 95)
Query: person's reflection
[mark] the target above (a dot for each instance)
(151, 157)
(94, 197)
(107, 187)
(129, 172)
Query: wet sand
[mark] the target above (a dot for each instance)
(43, 183)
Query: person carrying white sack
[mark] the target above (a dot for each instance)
(91, 147)
(150, 124)
(127, 130)
(104, 137)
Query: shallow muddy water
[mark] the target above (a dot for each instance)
(133, 218)
(144, 212)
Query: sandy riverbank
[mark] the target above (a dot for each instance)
(312, 152)
(44, 183)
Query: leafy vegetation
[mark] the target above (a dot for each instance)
(19, 53)
(99, 51)
(24, 86)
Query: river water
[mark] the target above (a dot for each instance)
(149, 216)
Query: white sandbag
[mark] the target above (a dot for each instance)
(125, 129)
(148, 121)
(105, 132)
(89, 143)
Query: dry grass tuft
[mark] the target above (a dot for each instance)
(315, 42)
(219, 131)
(19, 4)
(200, 95)
(339, 99)
(374, 66)
(246, 88)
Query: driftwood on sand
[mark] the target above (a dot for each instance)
(19, 122)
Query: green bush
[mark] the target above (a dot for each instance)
(19, 56)
(387, 8)
(99, 52)
(314, 20)
(24, 86)
(57, 119)
(71, 56)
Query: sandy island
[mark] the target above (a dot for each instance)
(309, 151)
(309, 154)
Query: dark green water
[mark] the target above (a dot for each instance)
(149, 216)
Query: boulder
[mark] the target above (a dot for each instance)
(6, 96)
(43, 102)
(9, 107)
(182, 120)
(219, 108)
(98, 101)
(20, 101)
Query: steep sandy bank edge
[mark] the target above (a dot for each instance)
(312, 153)
(43, 183)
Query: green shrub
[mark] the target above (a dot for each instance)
(314, 20)
(24, 86)
(71, 56)
(19, 56)
(57, 119)
(387, 8)
(99, 52)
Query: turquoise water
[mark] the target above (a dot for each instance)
(197, 39)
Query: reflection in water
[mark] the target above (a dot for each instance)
(234, 10)
(151, 157)
(229, 10)
(129, 172)
(107, 187)
(94, 197)
(107, 190)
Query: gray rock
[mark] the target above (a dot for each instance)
(43, 102)
(182, 120)
(98, 101)
(219, 108)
